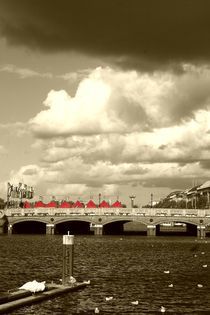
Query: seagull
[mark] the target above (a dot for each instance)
(195, 255)
(162, 309)
(166, 271)
(135, 302)
(202, 253)
(205, 266)
(97, 310)
(199, 285)
(108, 298)
(170, 285)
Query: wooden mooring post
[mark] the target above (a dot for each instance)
(68, 258)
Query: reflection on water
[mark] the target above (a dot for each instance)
(128, 268)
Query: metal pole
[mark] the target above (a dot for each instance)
(68, 258)
(151, 200)
(132, 200)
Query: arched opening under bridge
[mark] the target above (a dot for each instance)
(124, 227)
(29, 227)
(208, 231)
(176, 229)
(73, 227)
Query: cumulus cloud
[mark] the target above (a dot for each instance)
(30, 174)
(120, 128)
(111, 101)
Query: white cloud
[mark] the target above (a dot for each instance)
(85, 113)
(122, 128)
(110, 101)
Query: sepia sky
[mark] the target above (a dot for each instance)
(109, 96)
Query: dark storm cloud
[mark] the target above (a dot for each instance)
(159, 31)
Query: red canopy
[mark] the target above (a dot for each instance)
(78, 204)
(104, 204)
(65, 204)
(51, 204)
(39, 204)
(26, 204)
(116, 204)
(91, 204)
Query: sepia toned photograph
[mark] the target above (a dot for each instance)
(105, 157)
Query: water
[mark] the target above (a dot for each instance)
(128, 268)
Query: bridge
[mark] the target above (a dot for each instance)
(102, 220)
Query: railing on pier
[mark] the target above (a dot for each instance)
(107, 211)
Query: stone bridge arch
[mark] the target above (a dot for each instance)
(28, 219)
(125, 225)
(194, 226)
(27, 225)
(72, 225)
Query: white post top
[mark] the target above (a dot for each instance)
(68, 239)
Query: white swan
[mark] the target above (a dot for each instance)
(135, 302)
(162, 309)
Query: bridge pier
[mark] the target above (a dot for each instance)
(97, 229)
(50, 229)
(2, 224)
(151, 230)
(10, 227)
(201, 231)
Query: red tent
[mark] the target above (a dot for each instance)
(116, 204)
(65, 204)
(51, 204)
(78, 204)
(26, 204)
(39, 204)
(104, 204)
(91, 204)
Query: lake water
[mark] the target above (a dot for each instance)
(128, 268)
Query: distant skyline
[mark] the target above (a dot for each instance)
(109, 97)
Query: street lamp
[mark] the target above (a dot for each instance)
(132, 197)
(99, 199)
(151, 200)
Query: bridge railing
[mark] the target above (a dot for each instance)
(106, 211)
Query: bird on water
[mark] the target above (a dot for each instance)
(135, 302)
(162, 309)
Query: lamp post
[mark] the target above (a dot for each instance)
(151, 200)
(99, 199)
(132, 197)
